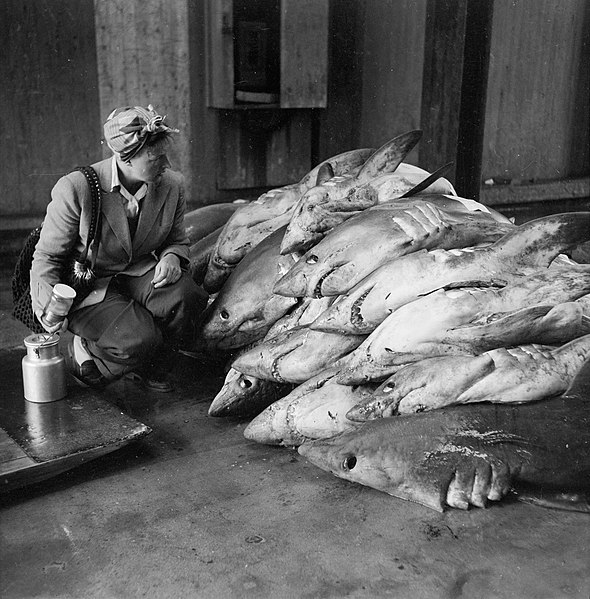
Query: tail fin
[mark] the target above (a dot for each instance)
(538, 242)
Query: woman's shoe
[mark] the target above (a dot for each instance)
(155, 381)
(85, 372)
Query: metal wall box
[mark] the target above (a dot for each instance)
(268, 53)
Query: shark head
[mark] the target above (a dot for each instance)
(358, 456)
(233, 324)
(434, 459)
(271, 427)
(237, 392)
(300, 234)
(262, 360)
(305, 277)
(380, 404)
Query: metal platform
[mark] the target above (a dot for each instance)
(41, 440)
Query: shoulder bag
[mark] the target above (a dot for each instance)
(78, 271)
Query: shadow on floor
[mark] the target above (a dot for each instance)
(195, 510)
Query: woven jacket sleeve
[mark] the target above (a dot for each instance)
(59, 237)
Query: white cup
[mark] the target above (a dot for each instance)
(59, 304)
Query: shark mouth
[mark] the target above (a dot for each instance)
(356, 318)
(294, 307)
(317, 290)
(274, 370)
(289, 418)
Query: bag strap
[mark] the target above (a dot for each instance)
(96, 195)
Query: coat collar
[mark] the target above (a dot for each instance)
(114, 212)
(151, 206)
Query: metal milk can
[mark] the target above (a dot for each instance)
(44, 372)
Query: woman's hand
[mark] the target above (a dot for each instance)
(60, 327)
(167, 271)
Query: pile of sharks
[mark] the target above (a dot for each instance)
(404, 337)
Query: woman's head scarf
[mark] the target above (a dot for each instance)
(128, 129)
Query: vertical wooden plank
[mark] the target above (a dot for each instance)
(538, 94)
(204, 144)
(304, 53)
(117, 50)
(442, 80)
(50, 121)
(220, 53)
(241, 158)
(339, 126)
(478, 34)
(263, 148)
(143, 55)
(288, 152)
(393, 58)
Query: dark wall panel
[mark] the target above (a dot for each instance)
(392, 54)
(537, 110)
(338, 127)
(49, 97)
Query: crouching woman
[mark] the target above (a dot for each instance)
(143, 305)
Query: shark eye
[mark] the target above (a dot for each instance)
(224, 315)
(245, 383)
(388, 388)
(349, 462)
(313, 259)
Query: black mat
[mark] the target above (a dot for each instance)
(83, 421)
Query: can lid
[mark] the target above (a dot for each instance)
(41, 339)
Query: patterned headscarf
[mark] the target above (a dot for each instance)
(127, 129)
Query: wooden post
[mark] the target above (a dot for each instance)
(219, 49)
(304, 53)
(50, 120)
(476, 62)
(143, 57)
(442, 81)
(338, 128)
(456, 64)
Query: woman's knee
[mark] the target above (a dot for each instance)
(197, 297)
(189, 297)
(145, 342)
(131, 340)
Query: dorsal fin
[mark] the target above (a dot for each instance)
(325, 173)
(424, 184)
(389, 156)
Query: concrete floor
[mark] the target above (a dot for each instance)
(194, 510)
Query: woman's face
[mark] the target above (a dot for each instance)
(149, 163)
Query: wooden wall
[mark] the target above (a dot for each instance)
(338, 128)
(536, 141)
(143, 58)
(394, 65)
(49, 98)
(537, 113)
(204, 140)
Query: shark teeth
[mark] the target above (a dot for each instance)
(317, 290)
(356, 317)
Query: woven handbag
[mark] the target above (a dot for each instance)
(78, 271)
